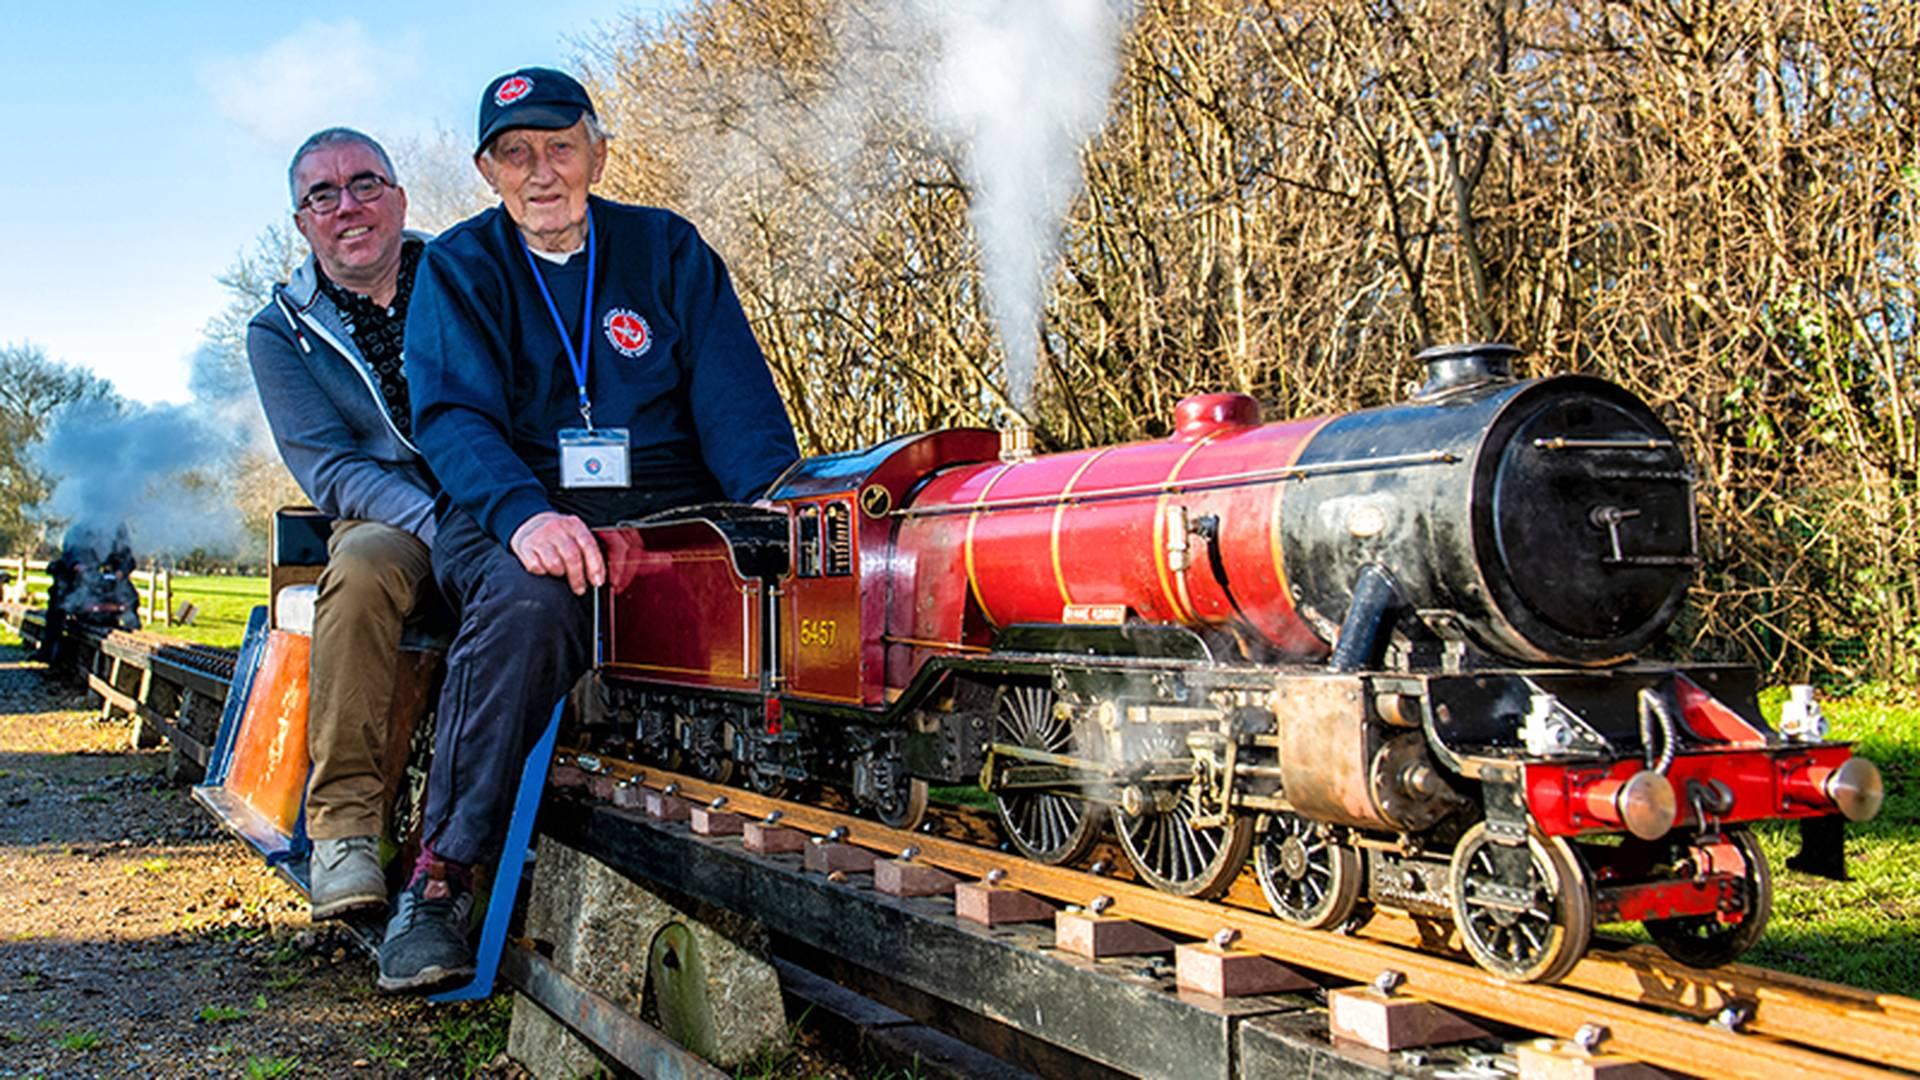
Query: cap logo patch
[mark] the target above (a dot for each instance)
(627, 332)
(512, 90)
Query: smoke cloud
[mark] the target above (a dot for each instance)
(158, 470)
(1020, 85)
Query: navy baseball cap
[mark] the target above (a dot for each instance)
(531, 98)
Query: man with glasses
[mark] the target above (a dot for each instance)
(326, 360)
(575, 362)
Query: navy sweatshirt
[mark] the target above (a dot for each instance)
(672, 360)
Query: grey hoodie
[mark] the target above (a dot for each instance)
(328, 417)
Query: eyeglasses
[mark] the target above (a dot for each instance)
(365, 188)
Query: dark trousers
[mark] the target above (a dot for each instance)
(523, 640)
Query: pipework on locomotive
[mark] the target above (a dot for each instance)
(1389, 656)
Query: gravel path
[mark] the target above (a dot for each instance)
(136, 939)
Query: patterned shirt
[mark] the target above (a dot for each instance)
(378, 332)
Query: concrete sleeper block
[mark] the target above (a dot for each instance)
(1365, 1016)
(766, 839)
(992, 905)
(1097, 937)
(709, 822)
(826, 858)
(898, 877)
(1211, 970)
(664, 807)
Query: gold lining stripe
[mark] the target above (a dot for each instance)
(1059, 515)
(719, 673)
(1181, 612)
(924, 643)
(1273, 525)
(973, 579)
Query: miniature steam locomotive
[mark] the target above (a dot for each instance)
(1389, 655)
(92, 586)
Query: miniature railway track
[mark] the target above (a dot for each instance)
(1780, 1005)
(1653, 1009)
(1793, 1026)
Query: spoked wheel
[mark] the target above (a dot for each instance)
(1534, 932)
(1704, 941)
(1043, 826)
(1310, 876)
(708, 748)
(1173, 856)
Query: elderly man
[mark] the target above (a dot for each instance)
(574, 362)
(326, 360)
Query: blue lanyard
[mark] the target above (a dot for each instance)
(576, 357)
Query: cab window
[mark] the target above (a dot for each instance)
(806, 556)
(839, 546)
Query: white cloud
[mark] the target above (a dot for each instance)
(319, 75)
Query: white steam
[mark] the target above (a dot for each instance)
(1020, 85)
(159, 471)
(1007, 89)
(152, 469)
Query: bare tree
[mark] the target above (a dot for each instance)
(1712, 204)
(32, 388)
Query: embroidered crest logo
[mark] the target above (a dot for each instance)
(513, 90)
(628, 332)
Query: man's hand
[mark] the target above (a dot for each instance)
(560, 545)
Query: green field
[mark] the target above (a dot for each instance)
(1865, 932)
(223, 603)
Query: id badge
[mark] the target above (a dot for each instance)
(593, 459)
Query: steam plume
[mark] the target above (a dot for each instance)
(1021, 84)
(161, 470)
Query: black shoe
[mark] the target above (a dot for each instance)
(426, 943)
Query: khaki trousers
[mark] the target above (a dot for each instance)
(372, 582)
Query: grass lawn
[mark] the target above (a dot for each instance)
(1864, 932)
(223, 603)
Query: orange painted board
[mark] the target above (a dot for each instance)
(270, 764)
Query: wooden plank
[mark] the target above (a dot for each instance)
(634, 1044)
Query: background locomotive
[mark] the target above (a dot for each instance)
(92, 584)
(1389, 654)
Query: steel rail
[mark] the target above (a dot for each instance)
(1862, 1023)
(1633, 1030)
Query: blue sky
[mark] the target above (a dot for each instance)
(148, 145)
